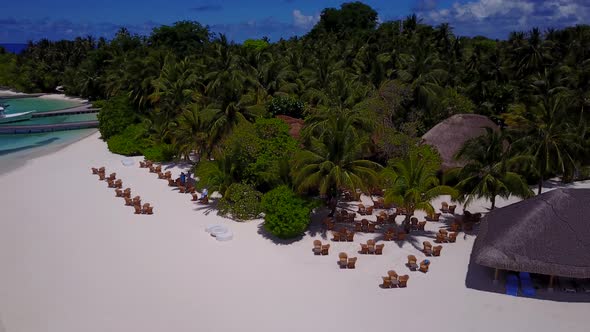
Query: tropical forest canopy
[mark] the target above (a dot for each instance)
(366, 91)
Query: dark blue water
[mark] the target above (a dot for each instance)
(13, 47)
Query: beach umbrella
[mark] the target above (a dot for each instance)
(547, 234)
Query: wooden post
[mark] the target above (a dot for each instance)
(550, 288)
(496, 273)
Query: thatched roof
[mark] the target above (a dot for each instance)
(450, 135)
(295, 125)
(547, 234)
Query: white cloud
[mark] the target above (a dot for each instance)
(483, 9)
(304, 21)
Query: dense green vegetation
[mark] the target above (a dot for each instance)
(366, 91)
(286, 215)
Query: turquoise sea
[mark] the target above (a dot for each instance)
(16, 149)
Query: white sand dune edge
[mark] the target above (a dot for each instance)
(73, 258)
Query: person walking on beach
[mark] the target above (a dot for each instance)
(182, 178)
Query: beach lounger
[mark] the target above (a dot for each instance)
(412, 262)
(427, 248)
(512, 285)
(325, 249)
(403, 281)
(436, 250)
(352, 263)
(342, 260)
(364, 249)
(317, 247)
(379, 249)
(424, 265)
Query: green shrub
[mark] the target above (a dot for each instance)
(115, 115)
(286, 215)
(159, 152)
(131, 142)
(241, 201)
(286, 106)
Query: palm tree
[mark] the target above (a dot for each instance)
(411, 183)
(486, 173)
(334, 161)
(550, 141)
(191, 133)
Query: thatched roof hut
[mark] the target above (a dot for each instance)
(547, 234)
(450, 135)
(295, 125)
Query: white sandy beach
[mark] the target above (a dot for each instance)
(73, 258)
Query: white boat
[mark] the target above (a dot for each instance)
(6, 118)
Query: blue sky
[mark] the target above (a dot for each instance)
(24, 20)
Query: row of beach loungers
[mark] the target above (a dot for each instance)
(113, 182)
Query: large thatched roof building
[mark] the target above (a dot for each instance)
(450, 135)
(547, 234)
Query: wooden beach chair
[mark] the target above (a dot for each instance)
(455, 227)
(452, 209)
(137, 209)
(351, 263)
(168, 175)
(110, 183)
(195, 197)
(336, 236)
(204, 200)
(102, 170)
(433, 217)
(101, 177)
(142, 164)
(365, 224)
(171, 183)
(317, 247)
(150, 210)
(128, 201)
(161, 175)
(158, 169)
(358, 226)
(371, 227)
(379, 249)
(149, 163)
(342, 260)
(144, 208)
(403, 281)
(153, 169)
(414, 223)
(329, 224)
(452, 237)
(371, 246)
(378, 204)
(427, 250)
(364, 249)
(118, 193)
(421, 225)
(436, 250)
(94, 170)
(361, 210)
(127, 192)
(112, 176)
(386, 282)
(119, 184)
(369, 211)
(444, 207)
(393, 277)
(412, 262)
(389, 235)
(325, 249)
(349, 236)
(424, 266)
(440, 238)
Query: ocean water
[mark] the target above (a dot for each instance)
(17, 149)
(37, 104)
